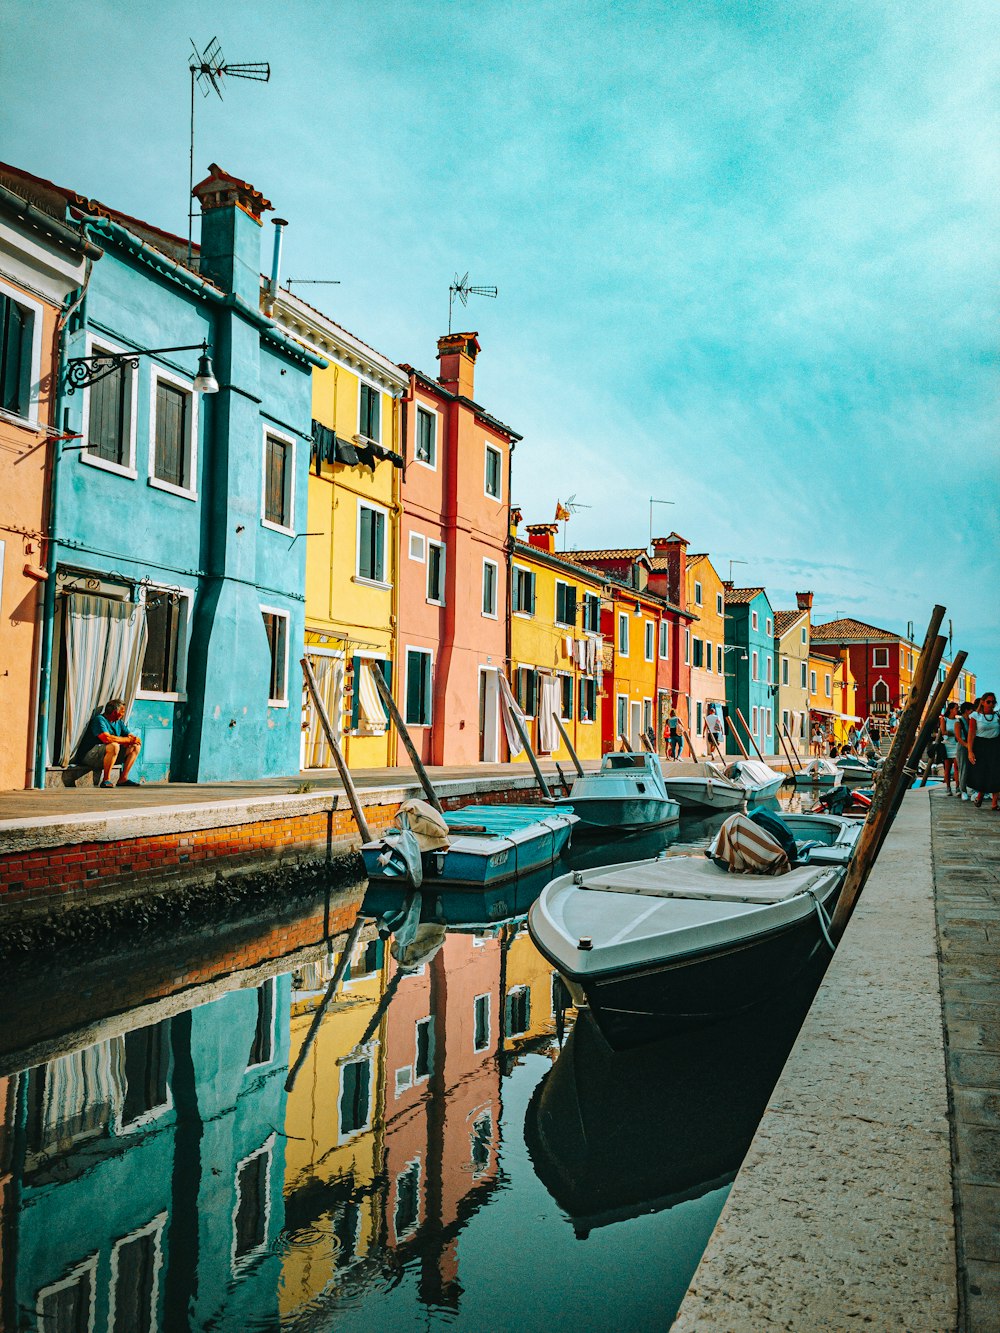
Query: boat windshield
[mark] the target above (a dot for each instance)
(625, 761)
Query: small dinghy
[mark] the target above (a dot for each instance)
(702, 786)
(857, 770)
(652, 946)
(475, 846)
(627, 793)
(819, 773)
(758, 780)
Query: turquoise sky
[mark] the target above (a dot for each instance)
(746, 252)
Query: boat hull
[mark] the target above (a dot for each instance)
(697, 795)
(477, 862)
(624, 814)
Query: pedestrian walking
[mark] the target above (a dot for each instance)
(672, 735)
(962, 733)
(948, 734)
(984, 750)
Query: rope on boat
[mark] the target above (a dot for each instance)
(824, 920)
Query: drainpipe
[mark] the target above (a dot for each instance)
(507, 667)
(73, 303)
(272, 292)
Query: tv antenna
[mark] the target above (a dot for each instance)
(461, 288)
(311, 282)
(207, 71)
(651, 503)
(565, 509)
(735, 562)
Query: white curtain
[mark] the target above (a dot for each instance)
(105, 645)
(550, 698)
(508, 710)
(329, 674)
(371, 714)
(82, 1090)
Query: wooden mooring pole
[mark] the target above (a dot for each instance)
(569, 745)
(736, 736)
(933, 713)
(785, 749)
(338, 754)
(795, 751)
(519, 728)
(890, 776)
(411, 749)
(342, 965)
(750, 734)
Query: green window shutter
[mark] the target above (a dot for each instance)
(379, 552)
(355, 692)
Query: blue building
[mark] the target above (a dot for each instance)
(176, 580)
(751, 684)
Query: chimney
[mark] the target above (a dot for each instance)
(728, 585)
(457, 353)
(543, 535)
(231, 212)
(804, 601)
(673, 550)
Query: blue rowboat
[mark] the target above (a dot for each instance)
(627, 793)
(487, 845)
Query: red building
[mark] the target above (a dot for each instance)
(881, 662)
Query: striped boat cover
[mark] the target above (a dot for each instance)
(748, 850)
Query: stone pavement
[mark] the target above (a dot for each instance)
(966, 851)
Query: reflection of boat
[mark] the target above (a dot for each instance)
(653, 945)
(461, 906)
(626, 793)
(616, 1134)
(487, 844)
(819, 773)
(638, 846)
(702, 785)
(758, 780)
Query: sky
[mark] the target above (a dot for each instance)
(746, 252)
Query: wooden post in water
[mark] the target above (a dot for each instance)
(338, 754)
(736, 736)
(750, 734)
(519, 727)
(785, 749)
(934, 712)
(795, 751)
(687, 736)
(342, 965)
(569, 745)
(411, 749)
(890, 775)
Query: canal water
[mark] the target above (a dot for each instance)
(453, 1150)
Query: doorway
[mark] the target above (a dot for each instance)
(489, 716)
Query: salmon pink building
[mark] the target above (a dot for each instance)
(453, 586)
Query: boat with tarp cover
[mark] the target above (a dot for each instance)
(627, 793)
(758, 780)
(702, 785)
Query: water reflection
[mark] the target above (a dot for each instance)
(155, 1172)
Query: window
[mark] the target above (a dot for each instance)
(802, 670)
(754, 671)
(17, 341)
(67, 1306)
(135, 1269)
(623, 633)
(768, 667)
(110, 417)
(253, 1205)
(163, 665)
(494, 481)
(754, 621)
(719, 656)
(490, 589)
(697, 652)
(566, 698)
(423, 1060)
(591, 613)
(565, 603)
(435, 573)
(880, 657)
(697, 717)
(418, 547)
(369, 715)
(407, 1212)
(588, 699)
(767, 722)
(418, 687)
(370, 413)
(355, 1096)
(481, 1022)
(697, 593)
(279, 477)
(826, 686)
(481, 1144)
(524, 591)
(647, 715)
(784, 719)
(276, 628)
(753, 720)
(174, 432)
(664, 639)
(426, 446)
(687, 647)
(805, 635)
(650, 636)
(262, 1045)
(526, 690)
(784, 671)
(517, 1011)
(720, 606)
(768, 627)
(147, 1062)
(621, 714)
(371, 543)
(812, 682)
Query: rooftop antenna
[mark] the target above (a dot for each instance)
(651, 503)
(565, 509)
(311, 282)
(208, 71)
(735, 562)
(461, 288)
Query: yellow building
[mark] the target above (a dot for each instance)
(705, 599)
(351, 531)
(556, 645)
(529, 995)
(832, 697)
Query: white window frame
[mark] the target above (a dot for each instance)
(754, 620)
(875, 656)
(720, 604)
(812, 683)
(183, 639)
(435, 417)
(270, 981)
(622, 622)
(664, 640)
(414, 1225)
(70, 1279)
(720, 659)
(287, 617)
(492, 448)
(828, 685)
(524, 569)
(494, 565)
(754, 665)
(436, 601)
(589, 720)
(427, 1020)
(240, 1262)
(285, 438)
(697, 593)
(478, 1050)
(687, 645)
(157, 373)
(370, 384)
(804, 674)
(621, 731)
(152, 1228)
(35, 377)
(358, 577)
(709, 652)
(784, 670)
(427, 652)
(768, 723)
(417, 547)
(94, 347)
(573, 701)
(649, 640)
(768, 668)
(647, 713)
(365, 1056)
(565, 624)
(754, 720)
(769, 628)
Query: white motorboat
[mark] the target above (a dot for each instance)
(857, 770)
(702, 786)
(819, 773)
(625, 794)
(758, 780)
(655, 945)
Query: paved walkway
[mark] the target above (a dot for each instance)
(966, 850)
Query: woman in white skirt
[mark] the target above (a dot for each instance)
(948, 723)
(984, 750)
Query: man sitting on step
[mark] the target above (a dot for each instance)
(106, 740)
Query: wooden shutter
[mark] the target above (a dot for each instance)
(171, 462)
(275, 483)
(16, 326)
(366, 558)
(106, 427)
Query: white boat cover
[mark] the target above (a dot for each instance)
(752, 773)
(827, 766)
(685, 768)
(698, 877)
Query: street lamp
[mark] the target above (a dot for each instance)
(82, 371)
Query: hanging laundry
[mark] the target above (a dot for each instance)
(371, 714)
(509, 709)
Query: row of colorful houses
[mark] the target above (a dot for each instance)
(203, 479)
